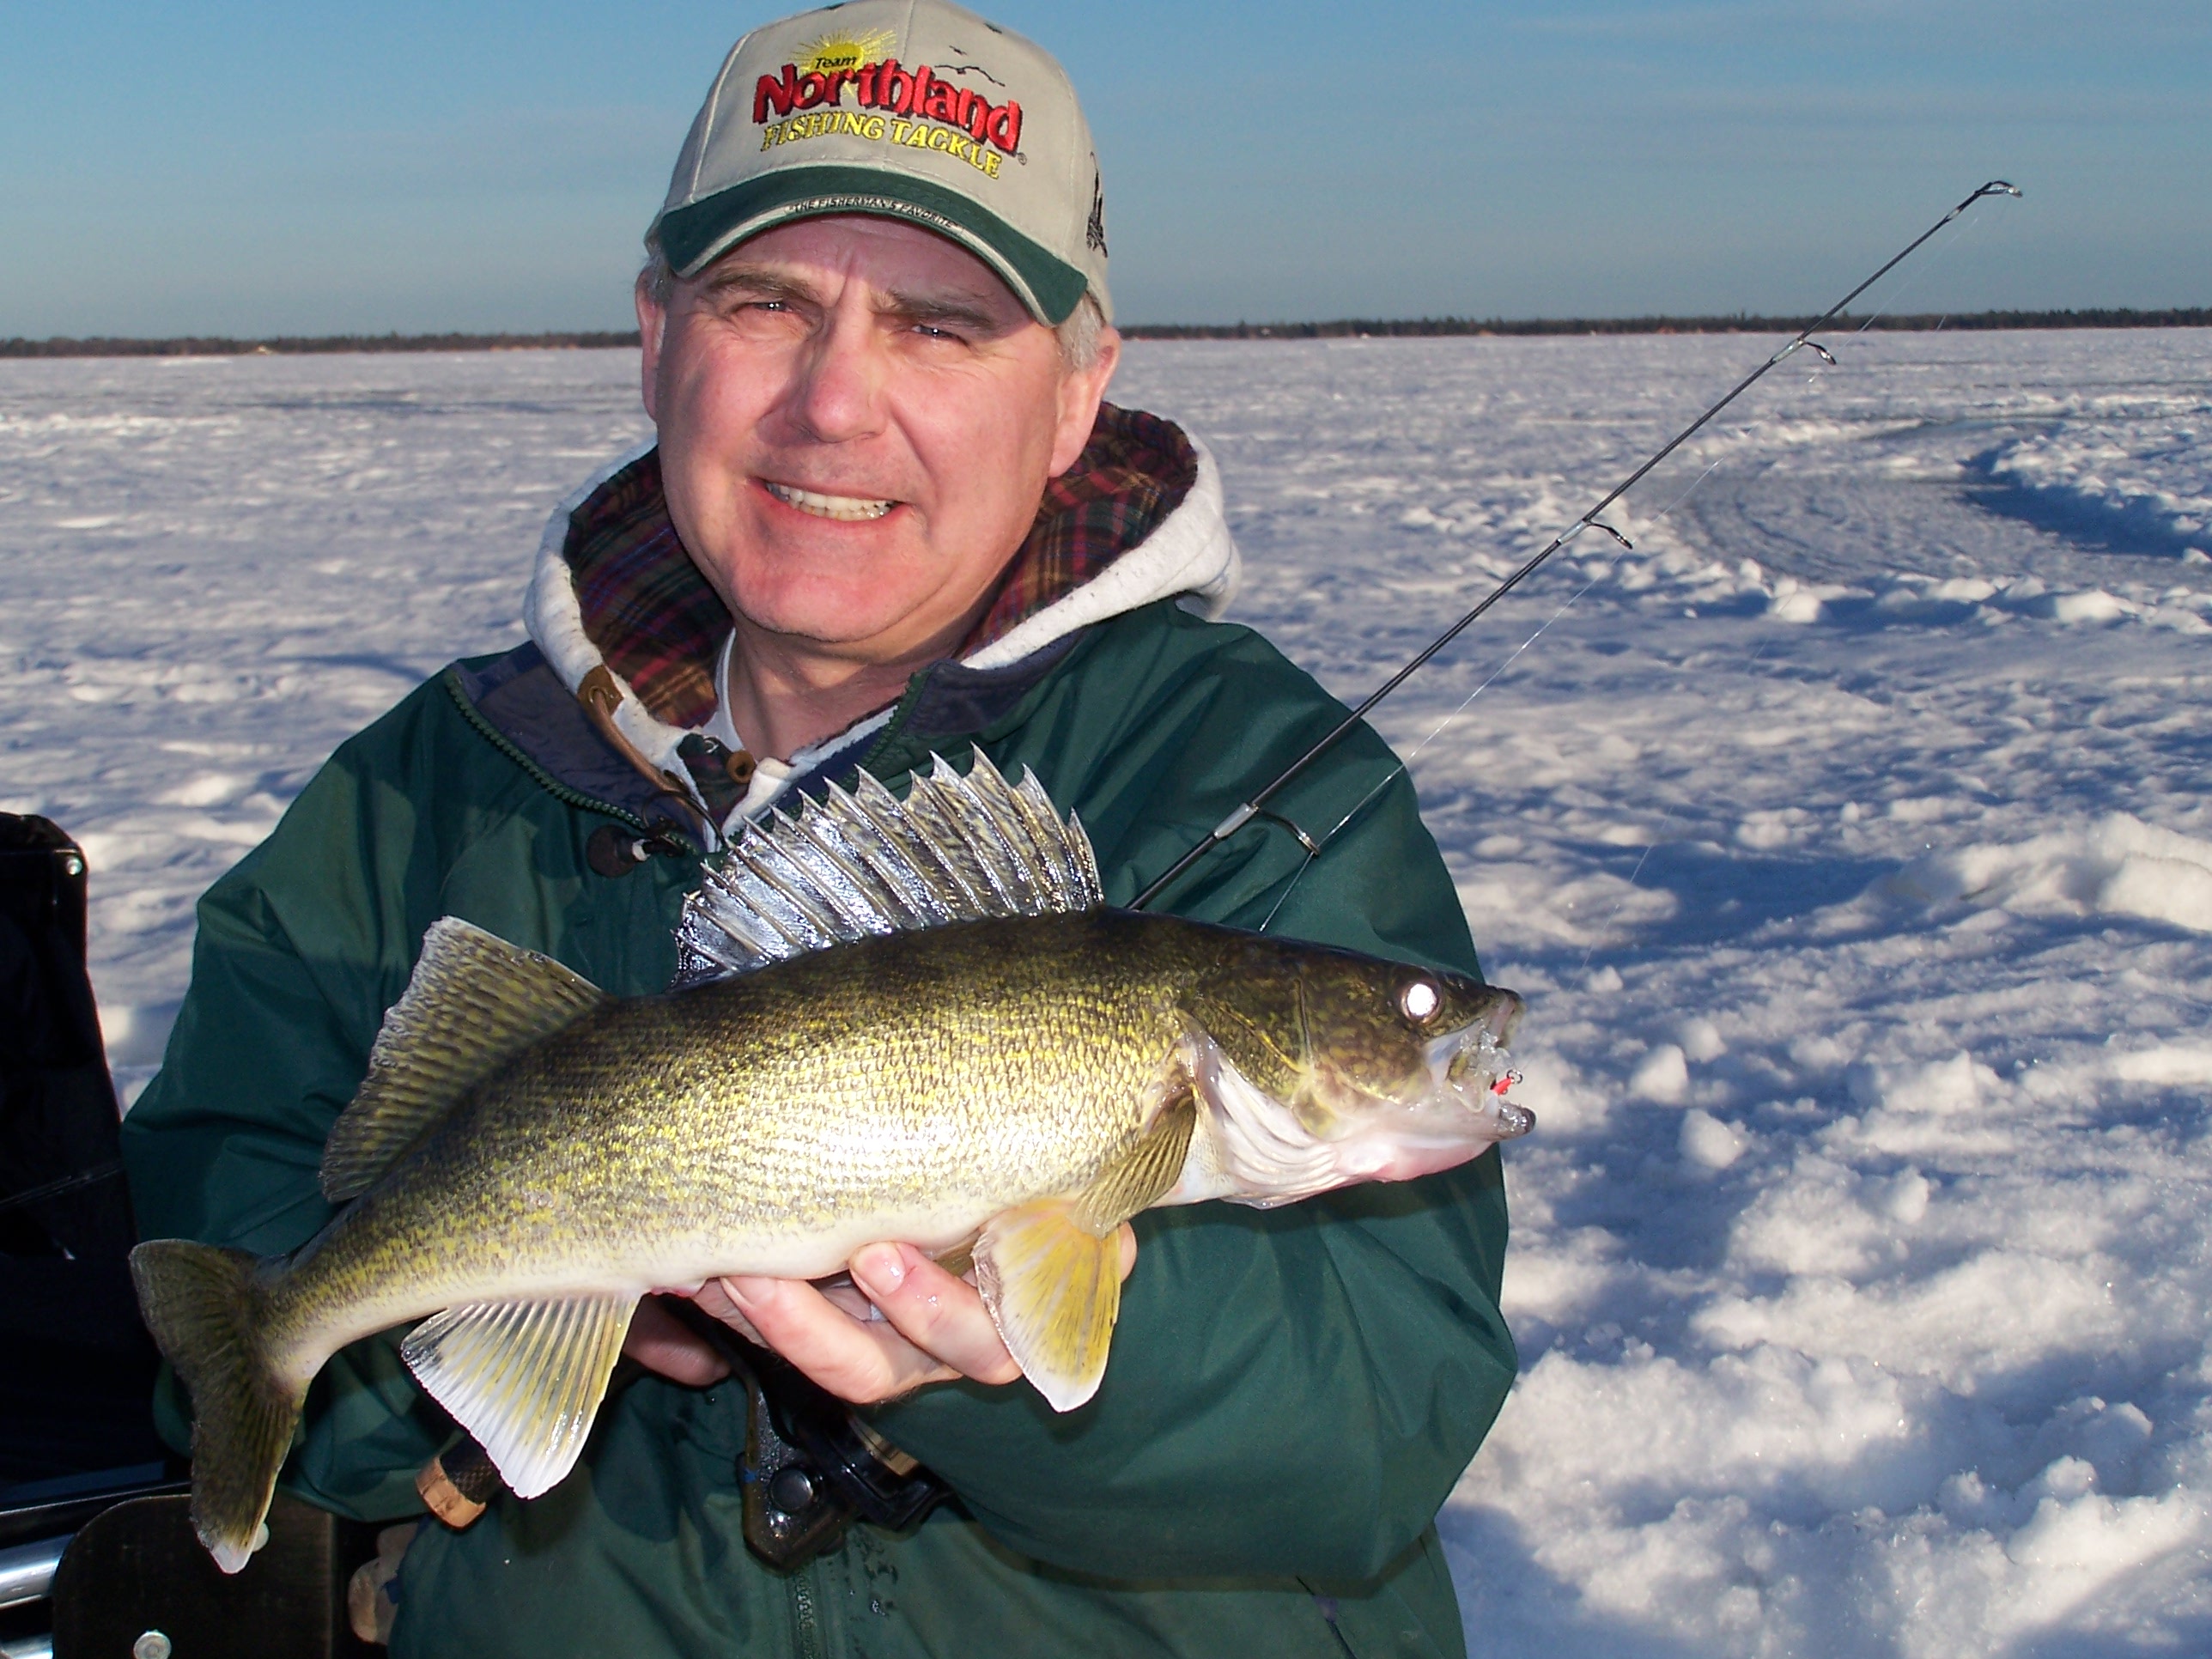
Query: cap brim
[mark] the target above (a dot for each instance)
(693, 235)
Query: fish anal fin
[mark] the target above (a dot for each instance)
(473, 1004)
(1054, 1288)
(525, 1378)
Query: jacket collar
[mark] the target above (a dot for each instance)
(615, 599)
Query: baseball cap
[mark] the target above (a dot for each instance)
(908, 109)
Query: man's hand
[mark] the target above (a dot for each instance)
(907, 1321)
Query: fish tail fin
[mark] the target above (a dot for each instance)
(203, 1306)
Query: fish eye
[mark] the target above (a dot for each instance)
(1420, 1000)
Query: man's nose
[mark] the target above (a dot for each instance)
(838, 395)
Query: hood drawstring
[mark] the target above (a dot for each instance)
(600, 693)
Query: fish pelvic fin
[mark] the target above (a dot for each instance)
(1050, 1272)
(204, 1306)
(1054, 1288)
(473, 1004)
(525, 1378)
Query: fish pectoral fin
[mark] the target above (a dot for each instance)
(525, 1378)
(1054, 1288)
(1150, 1165)
(473, 1003)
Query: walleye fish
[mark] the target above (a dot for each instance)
(911, 1020)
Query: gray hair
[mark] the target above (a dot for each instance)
(1078, 335)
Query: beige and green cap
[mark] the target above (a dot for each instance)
(911, 109)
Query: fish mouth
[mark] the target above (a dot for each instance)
(1462, 1114)
(1470, 1072)
(842, 509)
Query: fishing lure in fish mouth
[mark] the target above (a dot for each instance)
(893, 1018)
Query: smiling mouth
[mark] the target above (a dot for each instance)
(847, 510)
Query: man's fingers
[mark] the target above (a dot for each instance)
(932, 1326)
(861, 1362)
(712, 1299)
(938, 1314)
(658, 1341)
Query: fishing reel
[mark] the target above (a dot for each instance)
(810, 1468)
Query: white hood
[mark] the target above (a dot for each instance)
(1189, 555)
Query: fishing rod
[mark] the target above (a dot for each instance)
(1589, 520)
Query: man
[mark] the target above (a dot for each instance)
(888, 515)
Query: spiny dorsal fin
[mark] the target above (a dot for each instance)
(861, 862)
(525, 1378)
(473, 1003)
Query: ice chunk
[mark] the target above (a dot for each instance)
(1800, 606)
(2118, 867)
(1662, 1075)
(2168, 1063)
(1701, 1039)
(1708, 1143)
(1944, 1088)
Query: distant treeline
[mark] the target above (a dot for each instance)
(303, 345)
(1350, 328)
(1430, 327)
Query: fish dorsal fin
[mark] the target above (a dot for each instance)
(473, 1003)
(862, 862)
(525, 1378)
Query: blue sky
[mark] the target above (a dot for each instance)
(248, 168)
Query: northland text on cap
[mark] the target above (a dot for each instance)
(912, 109)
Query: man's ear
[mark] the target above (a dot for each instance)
(652, 320)
(1081, 391)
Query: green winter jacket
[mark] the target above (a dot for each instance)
(1293, 1394)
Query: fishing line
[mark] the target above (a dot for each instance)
(1251, 808)
(1668, 817)
(1405, 764)
(1604, 574)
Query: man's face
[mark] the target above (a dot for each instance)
(857, 420)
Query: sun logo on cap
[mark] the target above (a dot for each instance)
(842, 51)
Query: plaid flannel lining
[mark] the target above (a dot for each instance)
(1134, 472)
(645, 606)
(659, 625)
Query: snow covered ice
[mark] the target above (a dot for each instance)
(1849, 838)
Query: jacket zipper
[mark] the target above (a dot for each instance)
(807, 1632)
(545, 781)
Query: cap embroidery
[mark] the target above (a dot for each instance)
(969, 69)
(1094, 233)
(850, 52)
(896, 91)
